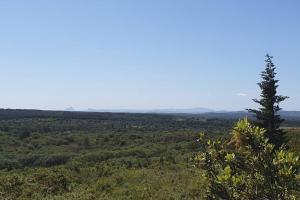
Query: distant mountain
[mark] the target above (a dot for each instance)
(183, 110)
(158, 111)
(116, 110)
(70, 109)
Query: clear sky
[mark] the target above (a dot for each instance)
(145, 54)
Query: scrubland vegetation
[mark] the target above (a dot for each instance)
(111, 156)
(107, 156)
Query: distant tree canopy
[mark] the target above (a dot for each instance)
(266, 115)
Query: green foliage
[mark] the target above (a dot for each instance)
(105, 156)
(41, 182)
(248, 167)
(90, 159)
(267, 115)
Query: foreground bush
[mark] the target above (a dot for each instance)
(41, 183)
(247, 167)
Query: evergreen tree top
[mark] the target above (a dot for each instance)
(267, 115)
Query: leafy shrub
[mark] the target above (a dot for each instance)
(11, 186)
(248, 167)
(43, 182)
(50, 182)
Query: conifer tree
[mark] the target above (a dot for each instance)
(267, 115)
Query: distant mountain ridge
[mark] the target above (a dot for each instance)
(184, 110)
(158, 111)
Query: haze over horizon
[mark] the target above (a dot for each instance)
(170, 54)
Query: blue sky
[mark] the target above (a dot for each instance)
(145, 54)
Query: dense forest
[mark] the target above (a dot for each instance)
(79, 155)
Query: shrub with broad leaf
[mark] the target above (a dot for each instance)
(248, 166)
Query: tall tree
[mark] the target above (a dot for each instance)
(267, 115)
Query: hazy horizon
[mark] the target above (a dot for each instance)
(166, 110)
(115, 54)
